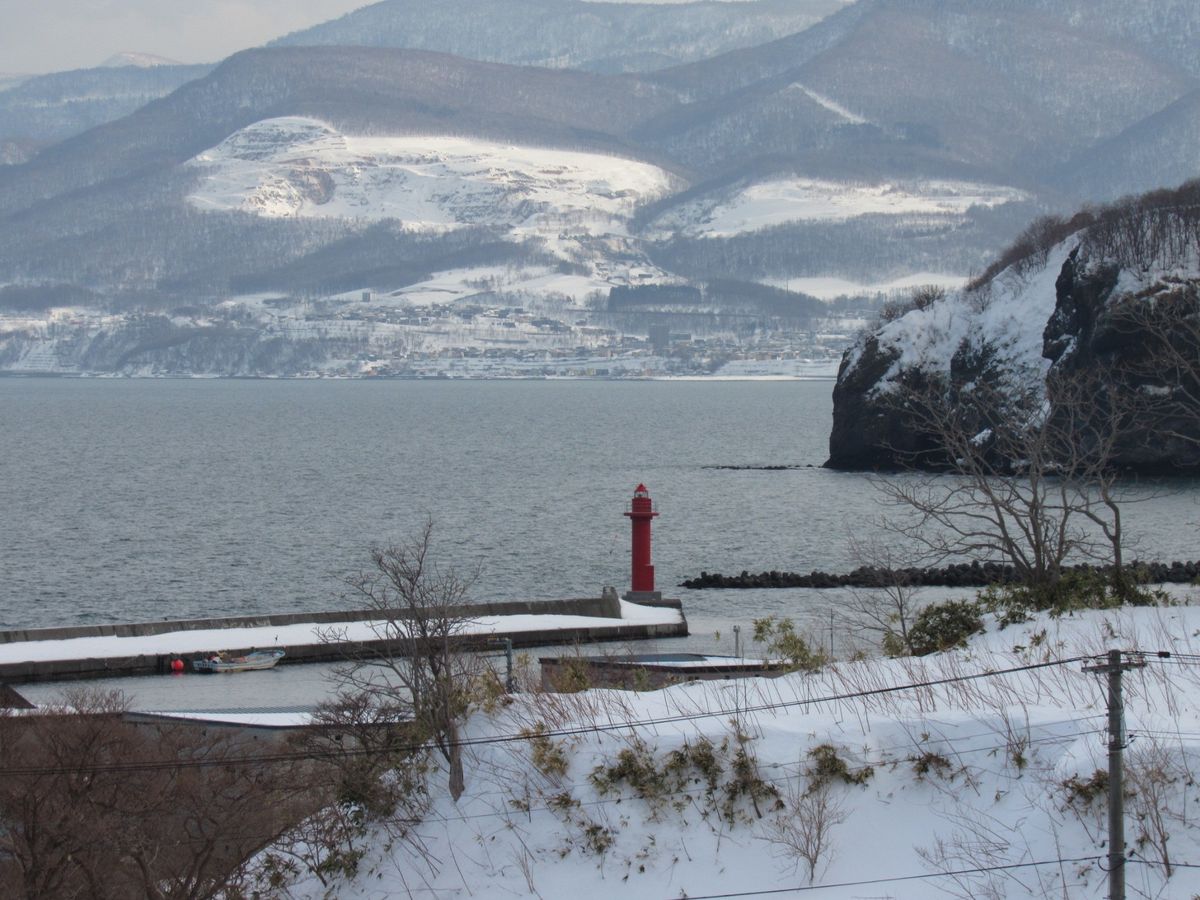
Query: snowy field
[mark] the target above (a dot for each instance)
(830, 288)
(968, 774)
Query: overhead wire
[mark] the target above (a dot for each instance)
(261, 759)
(978, 870)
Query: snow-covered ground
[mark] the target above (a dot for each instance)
(777, 202)
(296, 166)
(830, 288)
(978, 762)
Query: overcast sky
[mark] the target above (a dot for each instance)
(50, 35)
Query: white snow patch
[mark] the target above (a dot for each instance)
(832, 105)
(1010, 316)
(830, 287)
(781, 201)
(296, 166)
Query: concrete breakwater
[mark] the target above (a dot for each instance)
(146, 648)
(972, 574)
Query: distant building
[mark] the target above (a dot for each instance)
(660, 336)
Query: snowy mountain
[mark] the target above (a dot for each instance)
(302, 167)
(44, 109)
(601, 37)
(891, 143)
(919, 86)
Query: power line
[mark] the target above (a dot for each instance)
(273, 758)
(844, 884)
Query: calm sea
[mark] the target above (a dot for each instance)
(126, 500)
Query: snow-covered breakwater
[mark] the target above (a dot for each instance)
(49, 654)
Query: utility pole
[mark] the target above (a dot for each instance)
(1113, 667)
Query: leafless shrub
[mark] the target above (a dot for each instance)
(803, 829)
(1157, 781)
(919, 298)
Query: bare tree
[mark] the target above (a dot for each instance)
(887, 608)
(425, 670)
(1027, 476)
(98, 807)
(1163, 379)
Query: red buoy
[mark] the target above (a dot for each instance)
(177, 665)
(641, 511)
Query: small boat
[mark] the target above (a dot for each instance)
(252, 661)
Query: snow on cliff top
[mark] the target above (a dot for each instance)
(1010, 314)
(296, 166)
(975, 773)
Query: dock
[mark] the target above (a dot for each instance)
(148, 648)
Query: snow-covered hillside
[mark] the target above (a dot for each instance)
(1008, 316)
(967, 774)
(140, 60)
(301, 167)
(778, 201)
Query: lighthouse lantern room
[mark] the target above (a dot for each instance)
(641, 512)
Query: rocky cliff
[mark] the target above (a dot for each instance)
(1111, 297)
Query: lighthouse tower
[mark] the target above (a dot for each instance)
(641, 512)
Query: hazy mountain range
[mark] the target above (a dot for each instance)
(774, 142)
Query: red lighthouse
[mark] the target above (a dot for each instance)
(641, 512)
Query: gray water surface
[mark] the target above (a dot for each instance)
(129, 500)
(126, 500)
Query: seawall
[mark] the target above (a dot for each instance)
(233, 635)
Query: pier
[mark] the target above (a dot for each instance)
(148, 648)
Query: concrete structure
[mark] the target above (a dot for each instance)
(647, 671)
(10, 699)
(641, 513)
(606, 608)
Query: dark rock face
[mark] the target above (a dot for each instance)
(1089, 331)
(1079, 302)
(1093, 332)
(869, 432)
(871, 429)
(862, 427)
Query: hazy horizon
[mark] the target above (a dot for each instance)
(56, 35)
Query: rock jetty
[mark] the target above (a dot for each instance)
(973, 574)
